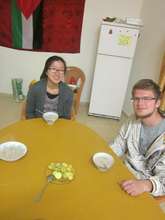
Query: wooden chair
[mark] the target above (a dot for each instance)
(23, 107)
(75, 76)
(160, 199)
(162, 85)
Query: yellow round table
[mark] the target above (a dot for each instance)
(91, 195)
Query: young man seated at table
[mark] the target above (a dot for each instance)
(142, 142)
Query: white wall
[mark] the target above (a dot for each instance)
(28, 65)
(151, 46)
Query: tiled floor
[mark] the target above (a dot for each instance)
(107, 128)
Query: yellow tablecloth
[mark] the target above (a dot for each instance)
(91, 195)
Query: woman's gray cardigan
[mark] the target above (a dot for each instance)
(36, 98)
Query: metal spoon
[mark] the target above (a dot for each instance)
(38, 197)
(103, 167)
(37, 110)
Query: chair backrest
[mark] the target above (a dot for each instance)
(162, 75)
(75, 75)
(23, 107)
(162, 85)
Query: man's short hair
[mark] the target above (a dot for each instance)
(148, 84)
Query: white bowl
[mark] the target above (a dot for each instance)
(12, 150)
(103, 161)
(50, 117)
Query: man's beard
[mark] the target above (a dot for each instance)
(145, 116)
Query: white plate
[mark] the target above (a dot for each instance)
(12, 150)
(103, 161)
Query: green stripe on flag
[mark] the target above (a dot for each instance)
(16, 25)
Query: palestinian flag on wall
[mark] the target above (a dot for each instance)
(41, 25)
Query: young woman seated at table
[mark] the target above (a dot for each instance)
(50, 93)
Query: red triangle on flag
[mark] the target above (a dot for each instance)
(27, 6)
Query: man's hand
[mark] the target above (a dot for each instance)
(136, 187)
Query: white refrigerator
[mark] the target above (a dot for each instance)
(116, 48)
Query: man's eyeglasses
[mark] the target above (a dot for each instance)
(53, 69)
(144, 99)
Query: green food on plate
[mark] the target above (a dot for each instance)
(62, 171)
